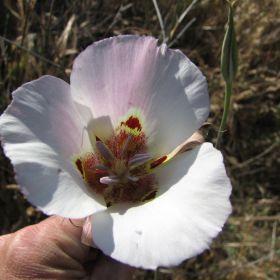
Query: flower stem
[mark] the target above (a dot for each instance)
(156, 274)
(225, 113)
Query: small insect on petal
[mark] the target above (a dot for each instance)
(109, 180)
(103, 150)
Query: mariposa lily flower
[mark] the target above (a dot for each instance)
(118, 143)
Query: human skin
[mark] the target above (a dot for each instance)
(52, 249)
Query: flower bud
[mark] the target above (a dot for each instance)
(229, 58)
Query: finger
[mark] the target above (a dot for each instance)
(3, 238)
(66, 236)
(50, 249)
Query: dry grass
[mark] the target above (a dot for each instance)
(250, 144)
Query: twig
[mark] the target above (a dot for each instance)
(24, 27)
(237, 245)
(160, 20)
(255, 218)
(147, 16)
(255, 157)
(273, 238)
(118, 17)
(247, 231)
(34, 14)
(251, 171)
(7, 169)
(33, 53)
(49, 21)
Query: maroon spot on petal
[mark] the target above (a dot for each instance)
(97, 138)
(59, 170)
(150, 196)
(79, 166)
(158, 162)
(133, 123)
(109, 204)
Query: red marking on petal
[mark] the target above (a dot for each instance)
(133, 123)
(97, 138)
(150, 196)
(110, 203)
(158, 162)
(79, 165)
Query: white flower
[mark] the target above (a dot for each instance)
(113, 137)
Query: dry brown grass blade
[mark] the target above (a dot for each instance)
(31, 52)
(62, 42)
(181, 19)
(8, 5)
(223, 271)
(50, 16)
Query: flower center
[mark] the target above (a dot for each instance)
(119, 168)
(119, 171)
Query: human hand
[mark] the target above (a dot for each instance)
(52, 249)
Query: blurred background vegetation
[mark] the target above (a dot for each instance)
(58, 30)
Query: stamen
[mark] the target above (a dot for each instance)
(139, 158)
(103, 150)
(126, 143)
(133, 179)
(109, 180)
(101, 167)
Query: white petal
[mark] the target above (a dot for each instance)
(191, 209)
(114, 75)
(42, 132)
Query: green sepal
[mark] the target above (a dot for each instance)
(229, 57)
